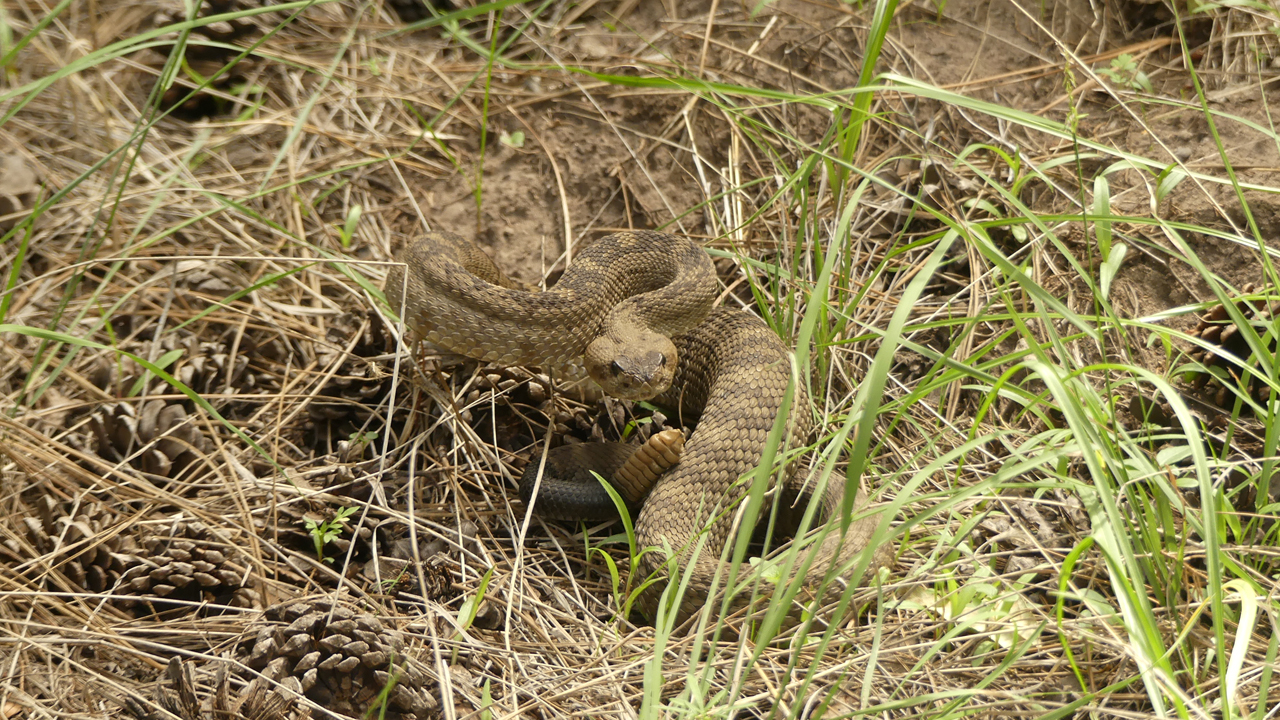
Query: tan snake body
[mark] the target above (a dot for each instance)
(624, 296)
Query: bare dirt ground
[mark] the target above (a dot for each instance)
(138, 528)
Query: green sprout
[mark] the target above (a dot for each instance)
(1124, 71)
(323, 533)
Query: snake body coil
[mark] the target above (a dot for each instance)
(635, 309)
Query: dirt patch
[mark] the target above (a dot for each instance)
(572, 179)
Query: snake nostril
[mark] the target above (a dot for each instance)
(615, 367)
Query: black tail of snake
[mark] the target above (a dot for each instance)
(635, 310)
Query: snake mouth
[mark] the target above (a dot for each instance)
(626, 386)
(632, 368)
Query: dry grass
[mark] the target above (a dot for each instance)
(214, 251)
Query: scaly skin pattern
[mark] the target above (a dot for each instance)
(619, 285)
(731, 376)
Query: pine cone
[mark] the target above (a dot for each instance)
(344, 659)
(1217, 328)
(122, 376)
(168, 441)
(350, 397)
(206, 366)
(211, 370)
(206, 59)
(396, 571)
(355, 390)
(361, 382)
(513, 384)
(80, 541)
(219, 278)
(909, 365)
(188, 567)
(256, 701)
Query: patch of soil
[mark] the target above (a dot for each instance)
(572, 172)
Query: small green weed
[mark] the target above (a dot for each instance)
(357, 443)
(471, 606)
(349, 229)
(512, 140)
(1124, 71)
(323, 533)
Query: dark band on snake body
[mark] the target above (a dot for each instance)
(568, 490)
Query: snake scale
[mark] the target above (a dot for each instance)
(634, 311)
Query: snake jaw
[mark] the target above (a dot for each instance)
(638, 367)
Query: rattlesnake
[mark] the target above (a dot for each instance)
(634, 311)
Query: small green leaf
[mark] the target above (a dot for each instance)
(1168, 179)
(985, 205)
(1111, 266)
(165, 361)
(1102, 208)
(512, 140)
(349, 228)
(769, 571)
(1143, 82)
(614, 576)
(471, 606)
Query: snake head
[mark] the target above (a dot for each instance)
(637, 366)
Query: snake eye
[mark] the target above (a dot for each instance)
(615, 367)
(662, 360)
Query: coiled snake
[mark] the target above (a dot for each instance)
(635, 308)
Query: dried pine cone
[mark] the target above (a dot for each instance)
(208, 367)
(600, 419)
(80, 541)
(256, 701)
(910, 365)
(211, 370)
(262, 700)
(344, 659)
(395, 571)
(356, 389)
(160, 438)
(122, 376)
(187, 567)
(208, 60)
(1217, 328)
(218, 278)
(514, 384)
(350, 396)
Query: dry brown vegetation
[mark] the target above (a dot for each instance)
(198, 379)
